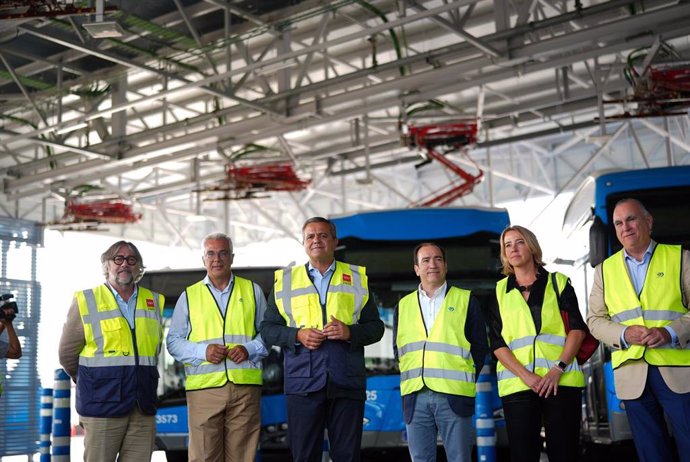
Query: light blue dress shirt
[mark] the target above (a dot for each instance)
(321, 281)
(126, 307)
(188, 352)
(638, 271)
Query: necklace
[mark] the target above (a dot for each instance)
(525, 288)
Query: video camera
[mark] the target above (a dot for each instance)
(7, 303)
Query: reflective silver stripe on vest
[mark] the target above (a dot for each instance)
(360, 292)
(627, 315)
(100, 361)
(543, 362)
(211, 368)
(411, 374)
(227, 338)
(153, 313)
(661, 315)
(436, 374)
(447, 348)
(410, 347)
(521, 342)
(505, 374)
(237, 338)
(551, 339)
(573, 366)
(449, 375)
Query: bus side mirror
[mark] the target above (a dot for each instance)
(597, 242)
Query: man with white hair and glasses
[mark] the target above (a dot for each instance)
(214, 333)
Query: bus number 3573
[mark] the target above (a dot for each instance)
(166, 418)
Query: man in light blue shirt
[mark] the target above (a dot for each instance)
(214, 333)
(639, 306)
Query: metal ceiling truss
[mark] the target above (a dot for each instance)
(156, 115)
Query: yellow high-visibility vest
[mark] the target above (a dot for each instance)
(536, 352)
(659, 303)
(109, 340)
(298, 300)
(209, 326)
(441, 359)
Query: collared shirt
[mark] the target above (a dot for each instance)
(126, 307)
(321, 281)
(431, 305)
(638, 271)
(194, 353)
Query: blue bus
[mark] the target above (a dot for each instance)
(382, 241)
(665, 192)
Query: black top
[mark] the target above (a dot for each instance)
(567, 302)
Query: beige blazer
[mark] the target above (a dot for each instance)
(630, 378)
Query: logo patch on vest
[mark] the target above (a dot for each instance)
(451, 308)
(347, 278)
(660, 274)
(149, 303)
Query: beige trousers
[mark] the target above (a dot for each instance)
(131, 436)
(224, 423)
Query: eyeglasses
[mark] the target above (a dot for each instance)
(131, 260)
(222, 255)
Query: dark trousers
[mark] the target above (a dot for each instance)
(308, 415)
(646, 417)
(525, 412)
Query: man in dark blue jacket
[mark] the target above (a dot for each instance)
(322, 316)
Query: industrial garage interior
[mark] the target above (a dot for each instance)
(159, 115)
(163, 121)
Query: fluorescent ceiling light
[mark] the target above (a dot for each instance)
(71, 128)
(195, 218)
(271, 68)
(104, 29)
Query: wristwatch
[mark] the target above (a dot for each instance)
(561, 365)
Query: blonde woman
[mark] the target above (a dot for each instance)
(538, 378)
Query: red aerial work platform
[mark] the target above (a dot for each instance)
(452, 136)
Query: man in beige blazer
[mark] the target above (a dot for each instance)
(639, 307)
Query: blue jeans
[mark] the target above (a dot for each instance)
(432, 416)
